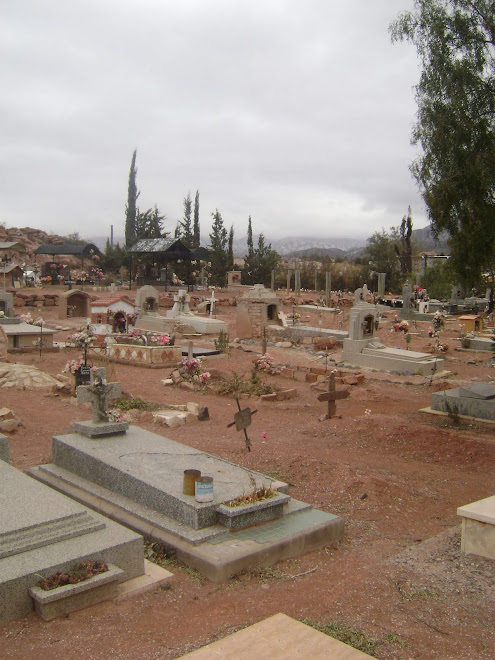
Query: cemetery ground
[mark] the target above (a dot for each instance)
(396, 475)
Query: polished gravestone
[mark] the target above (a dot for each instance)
(137, 479)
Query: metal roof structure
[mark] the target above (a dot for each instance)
(68, 249)
(170, 248)
(12, 245)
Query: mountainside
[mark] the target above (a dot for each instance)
(31, 238)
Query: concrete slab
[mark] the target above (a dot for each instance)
(279, 638)
(478, 527)
(137, 479)
(42, 532)
(477, 400)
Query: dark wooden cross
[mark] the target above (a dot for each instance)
(331, 396)
(242, 419)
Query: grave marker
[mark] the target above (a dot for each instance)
(242, 419)
(98, 393)
(331, 396)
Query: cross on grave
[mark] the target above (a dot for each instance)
(242, 419)
(98, 393)
(331, 396)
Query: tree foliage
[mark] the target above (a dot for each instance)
(149, 224)
(196, 228)
(403, 246)
(455, 130)
(381, 254)
(131, 206)
(218, 250)
(185, 227)
(260, 261)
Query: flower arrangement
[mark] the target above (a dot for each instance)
(235, 277)
(73, 366)
(191, 370)
(27, 318)
(155, 338)
(46, 279)
(83, 338)
(80, 572)
(438, 321)
(256, 495)
(400, 326)
(265, 363)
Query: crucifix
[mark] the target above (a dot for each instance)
(331, 396)
(98, 393)
(242, 419)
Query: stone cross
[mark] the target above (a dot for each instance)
(331, 396)
(98, 392)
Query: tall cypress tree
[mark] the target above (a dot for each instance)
(196, 230)
(131, 206)
(230, 249)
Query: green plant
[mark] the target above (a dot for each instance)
(237, 384)
(256, 495)
(131, 403)
(347, 634)
(162, 556)
(452, 411)
(222, 343)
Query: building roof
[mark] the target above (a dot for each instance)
(9, 268)
(12, 245)
(105, 302)
(68, 249)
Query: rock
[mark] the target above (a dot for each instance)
(192, 407)
(203, 414)
(167, 381)
(6, 413)
(9, 425)
(350, 380)
(186, 385)
(269, 397)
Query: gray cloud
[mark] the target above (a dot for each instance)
(296, 113)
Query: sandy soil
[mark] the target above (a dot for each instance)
(396, 476)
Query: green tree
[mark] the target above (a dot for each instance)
(185, 227)
(131, 207)
(149, 224)
(249, 270)
(403, 246)
(455, 41)
(218, 250)
(230, 249)
(196, 229)
(381, 255)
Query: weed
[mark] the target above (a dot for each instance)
(269, 573)
(130, 403)
(452, 411)
(237, 385)
(392, 638)
(347, 634)
(158, 554)
(222, 343)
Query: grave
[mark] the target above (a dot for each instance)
(43, 532)
(478, 527)
(234, 278)
(279, 637)
(476, 400)
(26, 336)
(136, 478)
(364, 350)
(112, 313)
(74, 303)
(256, 309)
(149, 319)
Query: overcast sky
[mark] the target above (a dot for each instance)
(296, 112)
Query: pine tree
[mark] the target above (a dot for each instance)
(131, 207)
(218, 250)
(149, 224)
(185, 226)
(196, 229)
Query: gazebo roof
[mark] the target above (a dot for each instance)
(171, 248)
(68, 249)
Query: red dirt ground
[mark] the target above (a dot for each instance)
(396, 476)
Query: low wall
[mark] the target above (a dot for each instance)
(144, 356)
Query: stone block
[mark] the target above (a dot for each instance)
(73, 597)
(4, 448)
(311, 377)
(269, 397)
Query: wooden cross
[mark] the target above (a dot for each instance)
(98, 392)
(331, 396)
(242, 420)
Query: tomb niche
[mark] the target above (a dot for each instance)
(74, 303)
(256, 309)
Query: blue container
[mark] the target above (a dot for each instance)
(204, 489)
